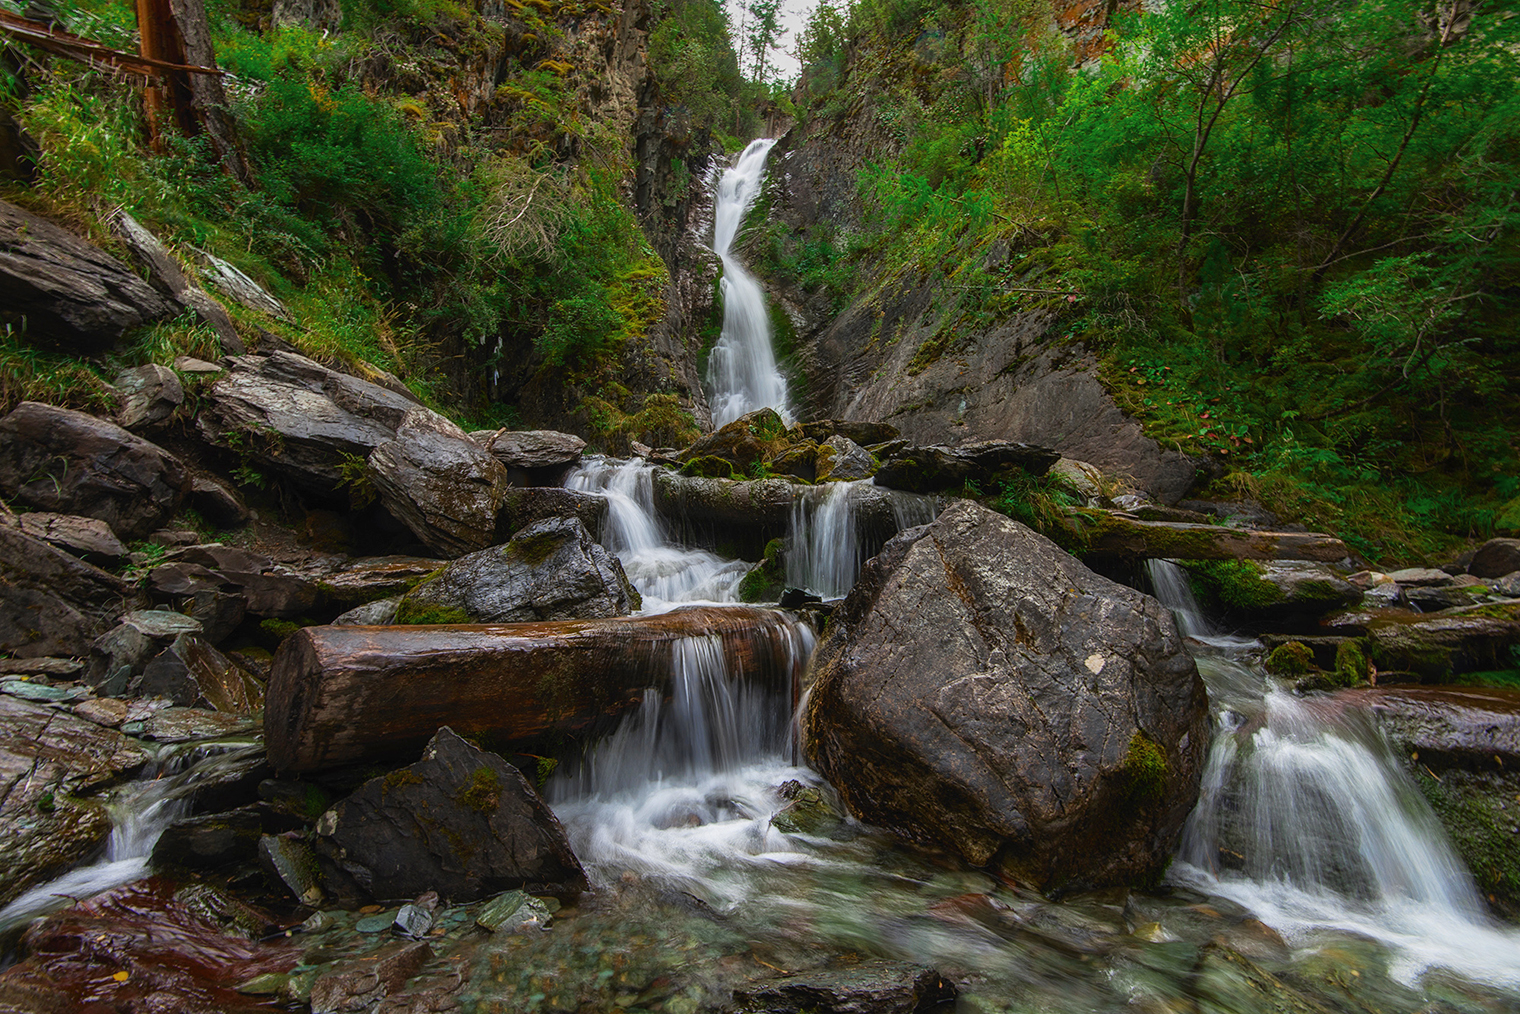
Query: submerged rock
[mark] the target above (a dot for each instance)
(870, 987)
(982, 690)
(461, 821)
(551, 570)
(56, 459)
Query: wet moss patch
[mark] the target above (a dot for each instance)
(482, 792)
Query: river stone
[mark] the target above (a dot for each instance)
(1496, 558)
(1420, 577)
(521, 507)
(54, 604)
(69, 292)
(150, 394)
(1304, 586)
(743, 443)
(211, 841)
(870, 987)
(56, 459)
(378, 613)
(1436, 646)
(982, 690)
(297, 418)
(87, 538)
(372, 578)
(551, 570)
(440, 483)
(359, 984)
(461, 822)
(191, 673)
(863, 433)
(289, 862)
(847, 462)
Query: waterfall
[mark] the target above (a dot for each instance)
(1305, 818)
(664, 574)
(835, 528)
(742, 370)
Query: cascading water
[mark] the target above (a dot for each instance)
(1306, 819)
(665, 575)
(825, 542)
(742, 370)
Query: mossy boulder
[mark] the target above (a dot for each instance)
(766, 580)
(709, 466)
(1291, 659)
(743, 443)
(1438, 647)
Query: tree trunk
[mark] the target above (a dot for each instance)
(353, 695)
(176, 32)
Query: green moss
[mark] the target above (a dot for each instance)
(709, 466)
(398, 778)
(1292, 659)
(534, 549)
(1350, 663)
(1145, 770)
(277, 630)
(315, 802)
(1476, 810)
(1236, 584)
(413, 612)
(482, 793)
(766, 581)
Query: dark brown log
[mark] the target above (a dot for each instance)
(346, 695)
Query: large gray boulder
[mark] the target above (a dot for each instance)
(440, 483)
(50, 602)
(56, 459)
(981, 690)
(68, 292)
(461, 821)
(533, 457)
(551, 570)
(300, 419)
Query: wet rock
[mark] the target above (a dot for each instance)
(460, 821)
(191, 673)
(87, 538)
(41, 692)
(725, 511)
(56, 459)
(551, 570)
(150, 395)
(48, 758)
(370, 578)
(1115, 533)
(439, 483)
(1296, 589)
(288, 861)
(55, 604)
(107, 711)
(862, 433)
(1436, 646)
(1225, 980)
(808, 810)
(415, 918)
(743, 443)
(766, 580)
(379, 613)
(181, 725)
(982, 690)
(70, 293)
(937, 468)
(870, 987)
(800, 460)
(299, 419)
(61, 667)
(166, 276)
(1420, 577)
(161, 624)
(529, 451)
(350, 695)
(220, 504)
(846, 462)
(211, 841)
(1496, 558)
(219, 613)
(360, 984)
(1433, 600)
(513, 912)
(521, 507)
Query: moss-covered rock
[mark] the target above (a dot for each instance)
(709, 466)
(1292, 659)
(767, 579)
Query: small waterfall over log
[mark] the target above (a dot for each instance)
(1306, 818)
(837, 527)
(742, 370)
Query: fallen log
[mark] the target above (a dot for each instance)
(348, 695)
(1114, 533)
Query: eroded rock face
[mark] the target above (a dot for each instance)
(50, 602)
(297, 417)
(71, 293)
(551, 570)
(440, 483)
(55, 459)
(461, 822)
(151, 393)
(984, 691)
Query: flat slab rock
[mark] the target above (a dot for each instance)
(871, 987)
(531, 448)
(982, 690)
(1472, 725)
(88, 538)
(461, 821)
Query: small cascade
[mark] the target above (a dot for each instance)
(686, 785)
(742, 370)
(140, 813)
(1305, 818)
(665, 574)
(837, 527)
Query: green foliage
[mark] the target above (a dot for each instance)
(692, 59)
(1041, 502)
(413, 612)
(709, 466)
(482, 792)
(767, 579)
(354, 475)
(30, 374)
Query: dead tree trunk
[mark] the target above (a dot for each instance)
(176, 32)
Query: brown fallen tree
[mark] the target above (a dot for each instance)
(341, 696)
